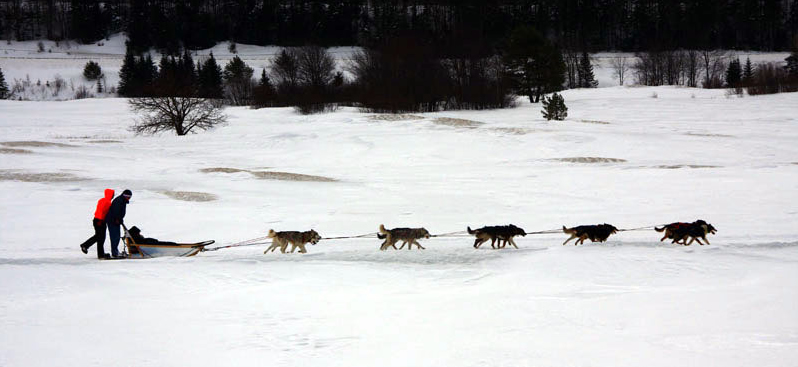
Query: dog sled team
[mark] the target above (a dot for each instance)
(110, 214)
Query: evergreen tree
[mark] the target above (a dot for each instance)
(748, 72)
(554, 108)
(92, 71)
(585, 72)
(127, 75)
(734, 74)
(792, 64)
(238, 81)
(533, 65)
(263, 94)
(3, 86)
(209, 78)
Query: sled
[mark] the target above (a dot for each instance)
(147, 251)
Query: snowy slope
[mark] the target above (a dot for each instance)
(632, 301)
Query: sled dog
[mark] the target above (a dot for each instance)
(493, 233)
(681, 231)
(596, 233)
(296, 239)
(408, 236)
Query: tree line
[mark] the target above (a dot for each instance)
(584, 25)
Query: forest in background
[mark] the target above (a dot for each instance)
(587, 25)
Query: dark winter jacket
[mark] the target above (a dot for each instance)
(116, 213)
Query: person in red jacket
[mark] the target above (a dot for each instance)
(99, 226)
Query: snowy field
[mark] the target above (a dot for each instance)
(629, 156)
(633, 301)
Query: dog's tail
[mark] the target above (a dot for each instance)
(383, 230)
(659, 229)
(470, 231)
(272, 233)
(381, 236)
(565, 230)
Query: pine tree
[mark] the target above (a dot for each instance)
(748, 72)
(534, 66)
(792, 64)
(585, 72)
(92, 71)
(127, 75)
(238, 81)
(3, 86)
(734, 74)
(209, 78)
(554, 107)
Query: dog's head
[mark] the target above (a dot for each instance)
(314, 237)
(611, 228)
(708, 228)
(425, 232)
(517, 231)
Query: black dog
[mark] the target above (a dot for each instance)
(493, 233)
(596, 233)
(681, 231)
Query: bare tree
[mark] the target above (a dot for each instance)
(316, 67)
(692, 65)
(183, 114)
(714, 66)
(620, 65)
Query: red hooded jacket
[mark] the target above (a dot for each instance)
(103, 205)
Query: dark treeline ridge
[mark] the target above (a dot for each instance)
(626, 25)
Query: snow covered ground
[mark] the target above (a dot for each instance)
(633, 301)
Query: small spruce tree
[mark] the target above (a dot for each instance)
(209, 78)
(792, 64)
(554, 107)
(92, 71)
(127, 75)
(734, 74)
(3, 86)
(748, 72)
(584, 72)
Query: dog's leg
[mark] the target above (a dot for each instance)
(510, 240)
(417, 244)
(492, 242)
(478, 242)
(302, 249)
(566, 241)
(705, 239)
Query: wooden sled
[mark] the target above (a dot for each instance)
(147, 251)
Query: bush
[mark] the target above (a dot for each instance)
(82, 92)
(92, 71)
(770, 78)
(554, 108)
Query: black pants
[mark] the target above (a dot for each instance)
(99, 237)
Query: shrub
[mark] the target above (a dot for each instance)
(554, 108)
(92, 71)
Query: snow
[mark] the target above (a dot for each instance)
(629, 302)
(633, 301)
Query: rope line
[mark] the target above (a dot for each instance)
(345, 237)
(456, 234)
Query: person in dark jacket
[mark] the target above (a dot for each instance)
(115, 218)
(99, 226)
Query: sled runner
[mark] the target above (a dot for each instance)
(149, 249)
